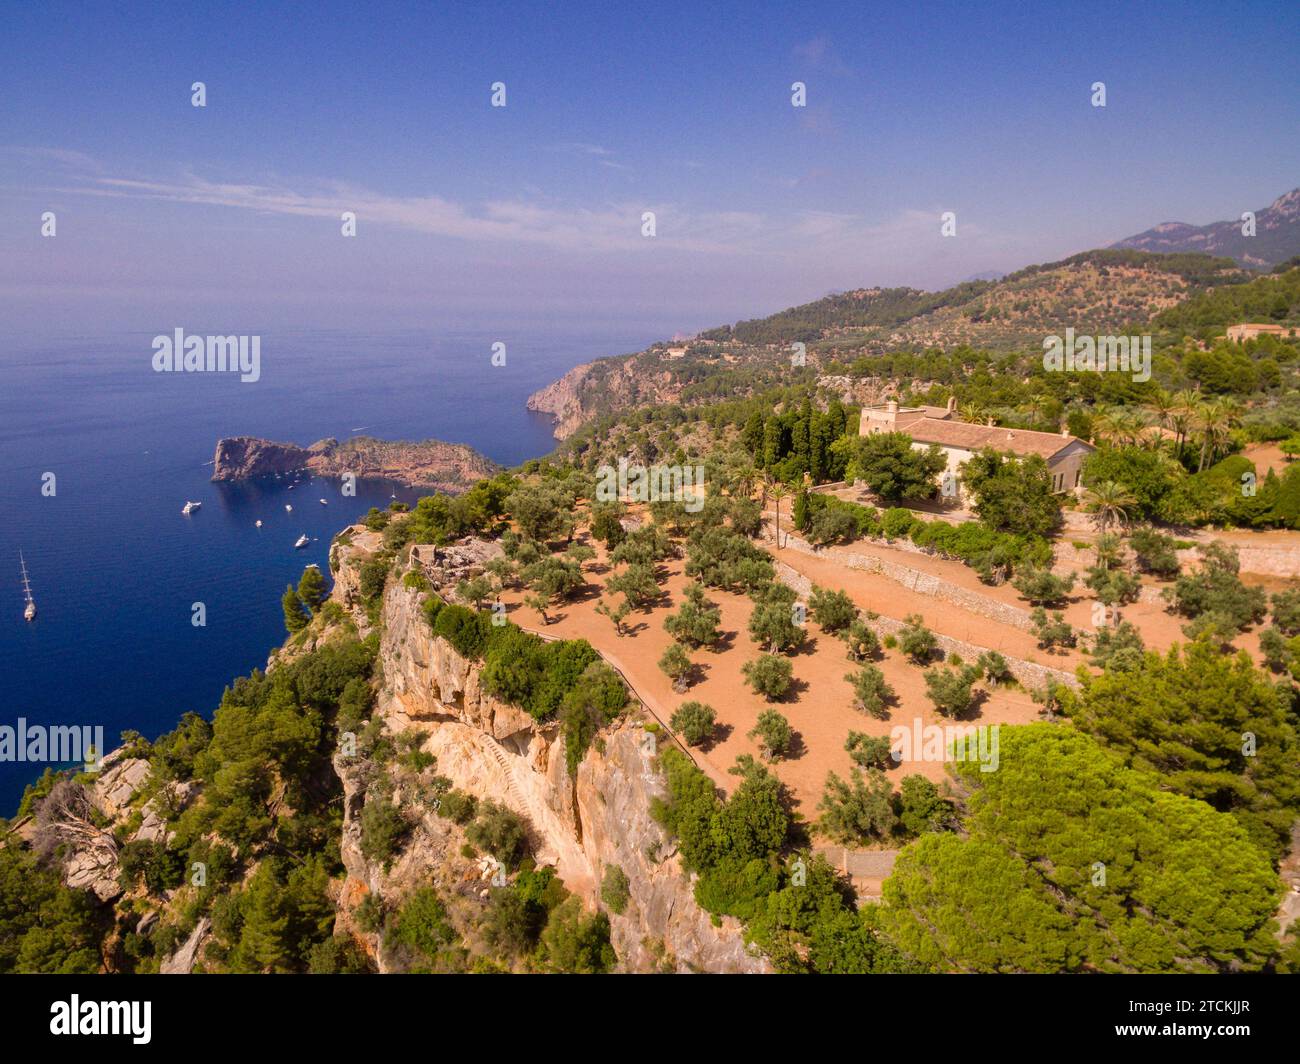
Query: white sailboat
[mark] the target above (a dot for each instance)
(288, 509)
(29, 613)
(259, 522)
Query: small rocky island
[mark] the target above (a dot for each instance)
(434, 464)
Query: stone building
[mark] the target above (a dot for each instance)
(959, 440)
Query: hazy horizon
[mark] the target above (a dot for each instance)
(469, 214)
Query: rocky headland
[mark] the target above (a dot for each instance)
(434, 464)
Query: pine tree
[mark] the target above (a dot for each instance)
(311, 588)
(295, 614)
(263, 945)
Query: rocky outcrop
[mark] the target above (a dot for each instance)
(246, 457)
(119, 779)
(89, 858)
(580, 825)
(607, 386)
(562, 399)
(450, 467)
(862, 391)
(349, 551)
(182, 961)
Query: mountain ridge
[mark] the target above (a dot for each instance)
(1276, 239)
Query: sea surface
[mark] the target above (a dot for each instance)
(115, 567)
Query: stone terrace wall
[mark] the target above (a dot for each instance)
(1030, 674)
(923, 583)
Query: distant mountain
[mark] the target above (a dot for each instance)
(1104, 290)
(1100, 292)
(1276, 239)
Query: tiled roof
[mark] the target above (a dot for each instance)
(968, 437)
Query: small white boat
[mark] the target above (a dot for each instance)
(29, 611)
(301, 542)
(190, 507)
(291, 487)
(259, 522)
(288, 509)
(323, 502)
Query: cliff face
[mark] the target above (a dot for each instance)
(244, 457)
(450, 467)
(562, 399)
(603, 387)
(581, 825)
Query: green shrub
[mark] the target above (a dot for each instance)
(769, 675)
(773, 734)
(898, 523)
(383, 828)
(458, 806)
(869, 751)
(466, 630)
(614, 889)
(499, 831)
(695, 722)
(916, 640)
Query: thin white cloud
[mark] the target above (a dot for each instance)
(820, 54)
(809, 242)
(59, 158)
(584, 149)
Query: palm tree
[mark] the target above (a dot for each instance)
(1143, 422)
(973, 411)
(1161, 406)
(739, 475)
(1126, 428)
(1034, 404)
(1109, 549)
(778, 491)
(1216, 419)
(1105, 425)
(1183, 415)
(1110, 503)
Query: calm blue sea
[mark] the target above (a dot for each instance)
(116, 568)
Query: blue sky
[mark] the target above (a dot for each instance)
(469, 214)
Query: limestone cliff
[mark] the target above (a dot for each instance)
(580, 825)
(607, 386)
(450, 467)
(562, 399)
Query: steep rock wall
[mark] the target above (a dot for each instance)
(580, 825)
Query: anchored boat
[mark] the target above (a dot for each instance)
(29, 612)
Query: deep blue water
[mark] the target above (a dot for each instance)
(115, 567)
